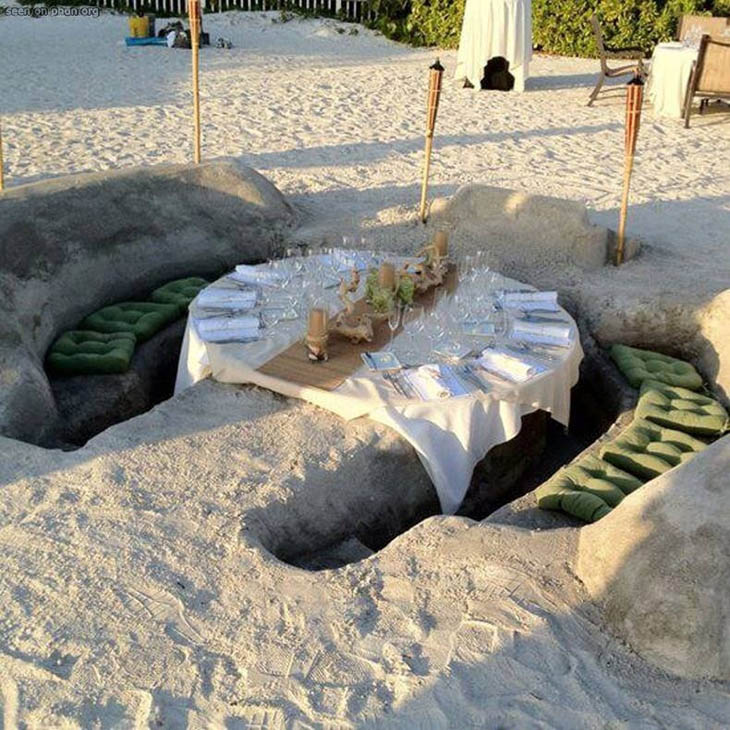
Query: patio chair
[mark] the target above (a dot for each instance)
(635, 54)
(694, 26)
(710, 77)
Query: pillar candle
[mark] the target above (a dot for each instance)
(317, 322)
(441, 241)
(386, 275)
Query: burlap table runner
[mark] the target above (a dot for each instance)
(344, 357)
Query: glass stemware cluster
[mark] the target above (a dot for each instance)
(459, 322)
(464, 321)
(308, 277)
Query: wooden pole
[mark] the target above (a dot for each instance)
(634, 99)
(434, 94)
(424, 181)
(2, 171)
(194, 18)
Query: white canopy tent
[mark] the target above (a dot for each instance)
(495, 28)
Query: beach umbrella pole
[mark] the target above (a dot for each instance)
(634, 99)
(194, 18)
(434, 94)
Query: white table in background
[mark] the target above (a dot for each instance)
(495, 28)
(450, 436)
(671, 67)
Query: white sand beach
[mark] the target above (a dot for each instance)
(336, 121)
(138, 585)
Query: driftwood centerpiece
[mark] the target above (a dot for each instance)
(356, 327)
(385, 288)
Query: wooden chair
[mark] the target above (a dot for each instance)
(698, 25)
(710, 77)
(636, 54)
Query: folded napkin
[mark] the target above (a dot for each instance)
(434, 382)
(226, 329)
(255, 275)
(238, 299)
(508, 366)
(550, 329)
(547, 300)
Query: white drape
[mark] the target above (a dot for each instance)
(495, 28)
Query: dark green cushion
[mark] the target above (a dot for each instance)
(81, 352)
(640, 365)
(587, 489)
(142, 319)
(682, 409)
(179, 292)
(648, 450)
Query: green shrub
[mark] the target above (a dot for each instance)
(435, 22)
(559, 26)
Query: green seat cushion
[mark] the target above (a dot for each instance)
(142, 319)
(648, 450)
(80, 352)
(640, 365)
(583, 505)
(587, 489)
(682, 409)
(179, 292)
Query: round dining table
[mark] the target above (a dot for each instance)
(671, 68)
(451, 428)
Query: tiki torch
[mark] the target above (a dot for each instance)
(2, 174)
(634, 98)
(194, 18)
(434, 94)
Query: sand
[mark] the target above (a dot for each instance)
(136, 594)
(135, 591)
(336, 121)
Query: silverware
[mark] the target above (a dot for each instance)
(522, 348)
(396, 385)
(469, 377)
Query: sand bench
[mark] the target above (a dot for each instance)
(72, 245)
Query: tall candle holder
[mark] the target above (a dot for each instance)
(317, 335)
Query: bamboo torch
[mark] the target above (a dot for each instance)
(634, 98)
(194, 18)
(434, 94)
(2, 173)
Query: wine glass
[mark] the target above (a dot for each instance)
(270, 318)
(394, 319)
(463, 267)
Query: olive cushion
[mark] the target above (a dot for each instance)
(179, 292)
(80, 352)
(142, 319)
(682, 409)
(640, 365)
(587, 489)
(648, 450)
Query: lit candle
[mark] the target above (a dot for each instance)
(386, 275)
(317, 322)
(441, 241)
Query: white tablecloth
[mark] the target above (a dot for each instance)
(671, 67)
(495, 28)
(450, 436)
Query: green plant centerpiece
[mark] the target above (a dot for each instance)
(381, 299)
